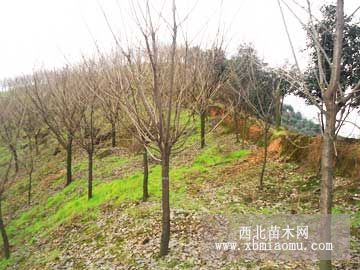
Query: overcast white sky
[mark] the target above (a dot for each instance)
(43, 33)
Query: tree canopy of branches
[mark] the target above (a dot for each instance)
(86, 98)
(10, 119)
(52, 97)
(160, 78)
(111, 84)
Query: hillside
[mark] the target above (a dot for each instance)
(116, 230)
(156, 135)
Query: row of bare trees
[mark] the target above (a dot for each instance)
(152, 92)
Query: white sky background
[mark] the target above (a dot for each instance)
(49, 33)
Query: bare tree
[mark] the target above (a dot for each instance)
(3, 182)
(209, 76)
(110, 105)
(146, 174)
(88, 85)
(114, 88)
(9, 133)
(51, 94)
(31, 127)
(30, 130)
(11, 130)
(244, 65)
(231, 96)
(158, 79)
(257, 87)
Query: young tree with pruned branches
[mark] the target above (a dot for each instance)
(159, 81)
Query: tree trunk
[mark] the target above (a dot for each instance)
(202, 126)
(165, 233)
(236, 124)
(5, 238)
(69, 161)
(327, 174)
(281, 108)
(261, 186)
(15, 155)
(244, 134)
(146, 176)
(278, 106)
(30, 186)
(113, 134)
(318, 173)
(36, 138)
(30, 169)
(90, 175)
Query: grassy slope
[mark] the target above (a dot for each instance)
(64, 229)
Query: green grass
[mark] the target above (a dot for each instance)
(354, 216)
(4, 155)
(237, 154)
(6, 263)
(276, 133)
(211, 156)
(4, 151)
(68, 204)
(101, 166)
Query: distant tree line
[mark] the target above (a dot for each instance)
(296, 122)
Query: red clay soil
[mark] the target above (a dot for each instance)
(275, 147)
(255, 133)
(299, 148)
